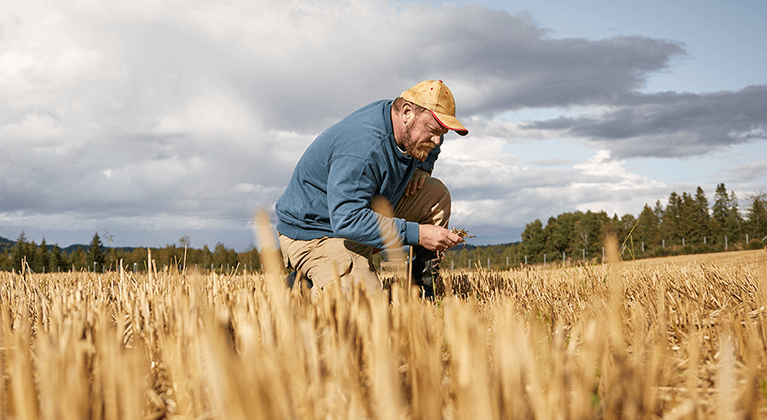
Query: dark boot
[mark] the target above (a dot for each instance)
(425, 270)
(294, 276)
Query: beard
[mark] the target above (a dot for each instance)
(413, 149)
(420, 153)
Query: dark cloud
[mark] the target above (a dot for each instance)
(494, 61)
(181, 117)
(671, 124)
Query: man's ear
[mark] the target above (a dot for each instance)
(408, 112)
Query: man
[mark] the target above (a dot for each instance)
(388, 148)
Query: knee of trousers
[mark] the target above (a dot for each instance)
(431, 204)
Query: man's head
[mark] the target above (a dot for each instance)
(434, 96)
(422, 115)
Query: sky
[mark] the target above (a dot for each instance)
(151, 120)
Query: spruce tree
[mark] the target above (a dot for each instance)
(670, 219)
(720, 211)
(648, 228)
(757, 215)
(686, 228)
(58, 261)
(96, 254)
(701, 219)
(43, 257)
(19, 253)
(734, 225)
(725, 217)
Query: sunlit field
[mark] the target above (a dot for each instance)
(671, 341)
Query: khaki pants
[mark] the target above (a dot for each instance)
(325, 259)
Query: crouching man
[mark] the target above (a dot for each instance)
(327, 229)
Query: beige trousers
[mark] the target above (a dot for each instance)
(325, 259)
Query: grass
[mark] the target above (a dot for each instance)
(590, 342)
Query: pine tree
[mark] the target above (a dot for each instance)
(58, 261)
(19, 253)
(686, 222)
(79, 259)
(31, 255)
(43, 257)
(5, 260)
(648, 227)
(757, 215)
(625, 225)
(726, 219)
(720, 211)
(670, 218)
(734, 226)
(701, 219)
(96, 254)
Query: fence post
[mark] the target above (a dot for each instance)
(725, 242)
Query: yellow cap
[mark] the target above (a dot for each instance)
(437, 98)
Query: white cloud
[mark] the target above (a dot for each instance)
(190, 115)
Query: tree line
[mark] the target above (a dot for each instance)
(687, 224)
(46, 259)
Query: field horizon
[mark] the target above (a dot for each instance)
(672, 338)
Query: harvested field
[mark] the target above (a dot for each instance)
(628, 340)
(736, 257)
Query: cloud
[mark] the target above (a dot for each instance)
(183, 115)
(492, 188)
(748, 172)
(669, 124)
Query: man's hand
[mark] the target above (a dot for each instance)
(416, 182)
(437, 238)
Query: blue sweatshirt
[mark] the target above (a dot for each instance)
(338, 175)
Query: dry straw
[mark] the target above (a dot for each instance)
(616, 341)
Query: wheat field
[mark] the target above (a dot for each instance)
(613, 341)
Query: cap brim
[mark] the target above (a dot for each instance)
(450, 122)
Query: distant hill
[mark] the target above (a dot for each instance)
(6, 244)
(497, 248)
(72, 248)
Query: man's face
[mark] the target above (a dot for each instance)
(422, 135)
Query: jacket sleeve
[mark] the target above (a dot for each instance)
(351, 188)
